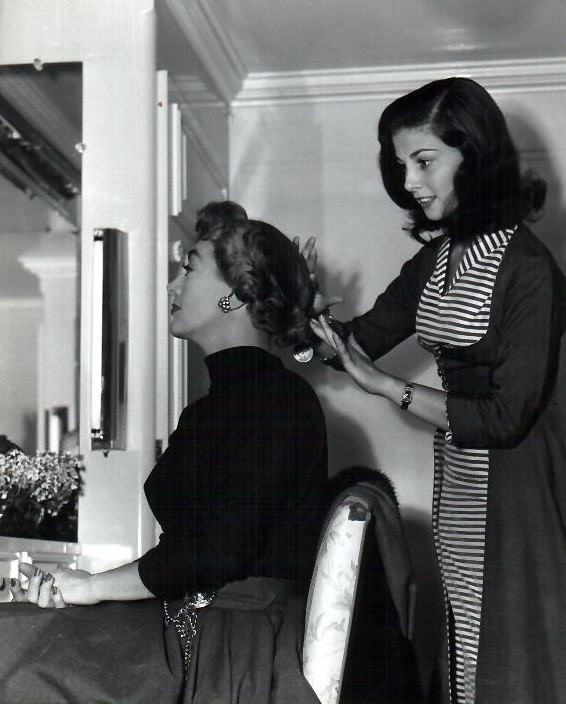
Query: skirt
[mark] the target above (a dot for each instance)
(247, 650)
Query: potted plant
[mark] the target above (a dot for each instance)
(38, 494)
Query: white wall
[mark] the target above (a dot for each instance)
(310, 168)
(116, 43)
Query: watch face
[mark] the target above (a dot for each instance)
(303, 352)
(407, 396)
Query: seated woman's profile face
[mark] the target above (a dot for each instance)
(195, 293)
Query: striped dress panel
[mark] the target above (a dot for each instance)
(459, 317)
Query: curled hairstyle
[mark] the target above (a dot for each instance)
(489, 189)
(263, 268)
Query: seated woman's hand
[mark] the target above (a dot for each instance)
(41, 588)
(75, 586)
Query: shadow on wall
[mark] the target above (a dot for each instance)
(429, 608)
(350, 444)
(536, 155)
(29, 440)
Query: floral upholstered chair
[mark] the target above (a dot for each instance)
(331, 597)
(360, 609)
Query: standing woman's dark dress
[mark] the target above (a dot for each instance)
(499, 510)
(239, 494)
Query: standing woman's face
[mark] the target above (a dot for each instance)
(430, 166)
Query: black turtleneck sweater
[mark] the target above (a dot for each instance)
(240, 490)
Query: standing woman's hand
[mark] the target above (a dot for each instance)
(358, 365)
(321, 301)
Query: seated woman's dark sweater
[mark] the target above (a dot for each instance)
(238, 492)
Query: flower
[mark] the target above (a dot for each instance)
(49, 479)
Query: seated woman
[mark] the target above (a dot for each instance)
(238, 493)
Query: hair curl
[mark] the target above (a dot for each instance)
(217, 217)
(490, 192)
(263, 268)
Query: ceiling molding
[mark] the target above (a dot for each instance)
(212, 45)
(392, 81)
(191, 90)
(43, 114)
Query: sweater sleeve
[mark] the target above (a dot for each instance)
(392, 317)
(527, 363)
(184, 563)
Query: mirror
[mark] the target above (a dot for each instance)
(40, 183)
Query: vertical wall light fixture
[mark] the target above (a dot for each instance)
(109, 339)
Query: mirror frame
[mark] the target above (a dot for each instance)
(109, 339)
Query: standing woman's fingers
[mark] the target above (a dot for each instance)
(309, 248)
(332, 300)
(316, 327)
(308, 251)
(342, 347)
(328, 331)
(311, 255)
(343, 351)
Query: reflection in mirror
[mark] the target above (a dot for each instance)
(40, 180)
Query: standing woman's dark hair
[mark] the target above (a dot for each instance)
(491, 193)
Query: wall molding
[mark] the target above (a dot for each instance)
(392, 81)
(212, 45)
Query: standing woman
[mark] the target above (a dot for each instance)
(486, 298)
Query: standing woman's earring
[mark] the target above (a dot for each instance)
(224, 304)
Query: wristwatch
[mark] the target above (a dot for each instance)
(407, 396)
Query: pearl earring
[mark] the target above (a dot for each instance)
(224, 304)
